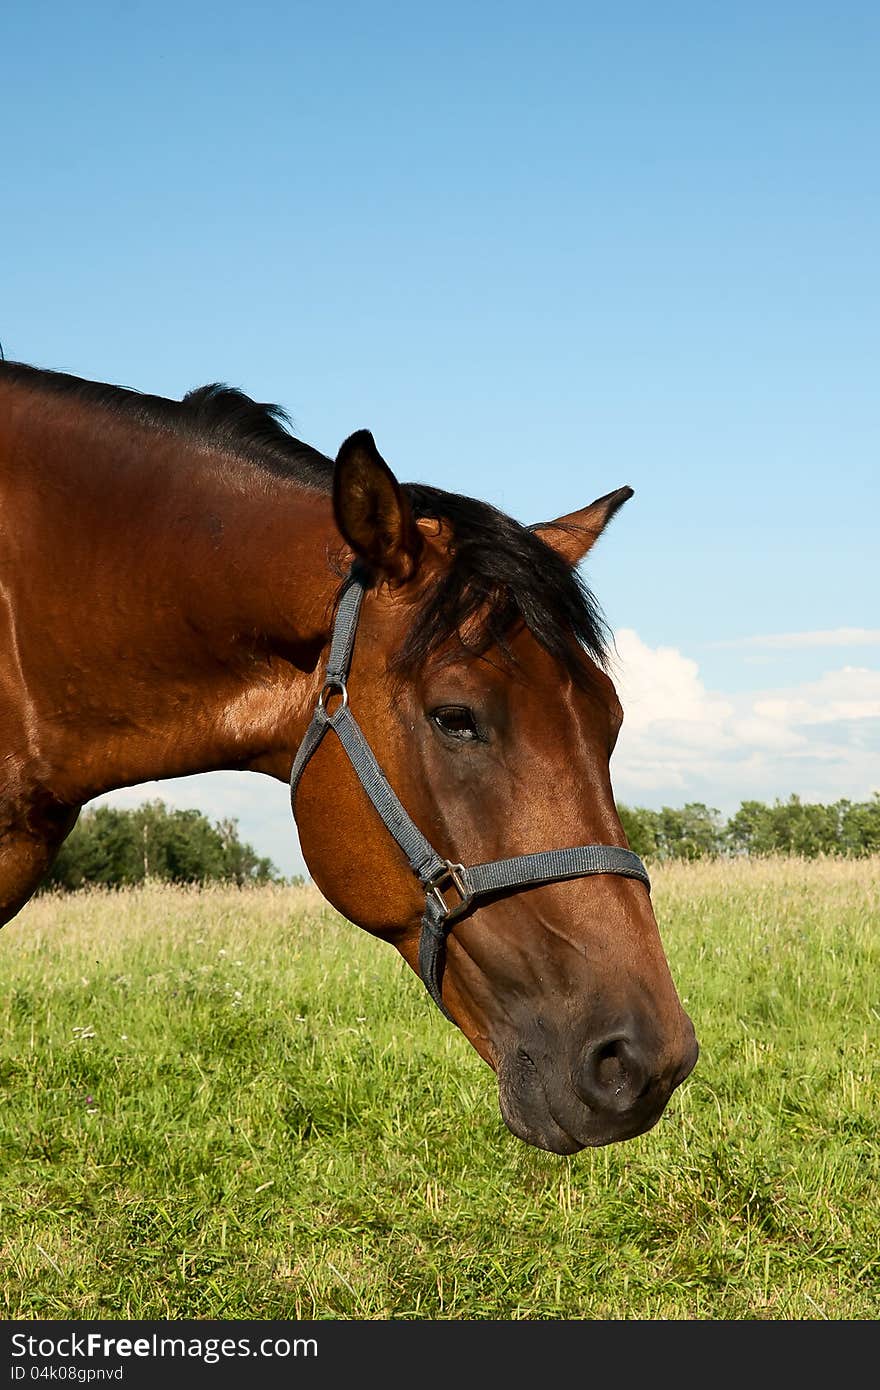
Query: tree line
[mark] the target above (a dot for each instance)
(117, 848)
(697, 831)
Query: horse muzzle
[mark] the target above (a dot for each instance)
(617, 1088)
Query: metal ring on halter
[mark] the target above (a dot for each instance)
(328, 690)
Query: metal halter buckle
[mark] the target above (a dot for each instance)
(450, 877)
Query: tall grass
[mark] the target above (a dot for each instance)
(227, 1104)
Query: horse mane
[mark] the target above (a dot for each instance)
(502, 572)
(216, 416)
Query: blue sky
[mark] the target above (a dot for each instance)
(540, 251)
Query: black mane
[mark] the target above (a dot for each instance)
(501, 573)
(216, 415)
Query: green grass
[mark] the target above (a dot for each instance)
(229, 1104)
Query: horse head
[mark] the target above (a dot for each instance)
(473, 678)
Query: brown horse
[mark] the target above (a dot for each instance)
(170, 573)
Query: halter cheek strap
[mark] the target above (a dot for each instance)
(450, 888)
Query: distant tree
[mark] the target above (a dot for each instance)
(641, 828)
(751, 830)
(691, 832)
(806, 828)
(121, 847)
(860, 826)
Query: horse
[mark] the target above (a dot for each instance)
(187, 587)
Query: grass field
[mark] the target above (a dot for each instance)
(228, 1104)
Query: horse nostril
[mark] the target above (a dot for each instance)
(611, 1076)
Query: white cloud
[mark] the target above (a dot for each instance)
(680, 741)
(848, 694)
(828, 637)
(659, 684)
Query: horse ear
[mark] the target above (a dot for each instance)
(574, 535)
(372, 511)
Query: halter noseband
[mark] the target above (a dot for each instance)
(449, 888)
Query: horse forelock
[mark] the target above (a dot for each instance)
(501, 574)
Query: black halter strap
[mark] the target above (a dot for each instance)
(449, 888)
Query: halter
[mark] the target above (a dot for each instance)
(450, 888)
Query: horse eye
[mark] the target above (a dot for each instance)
(455, 720)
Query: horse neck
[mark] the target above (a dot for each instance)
(196, 592)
